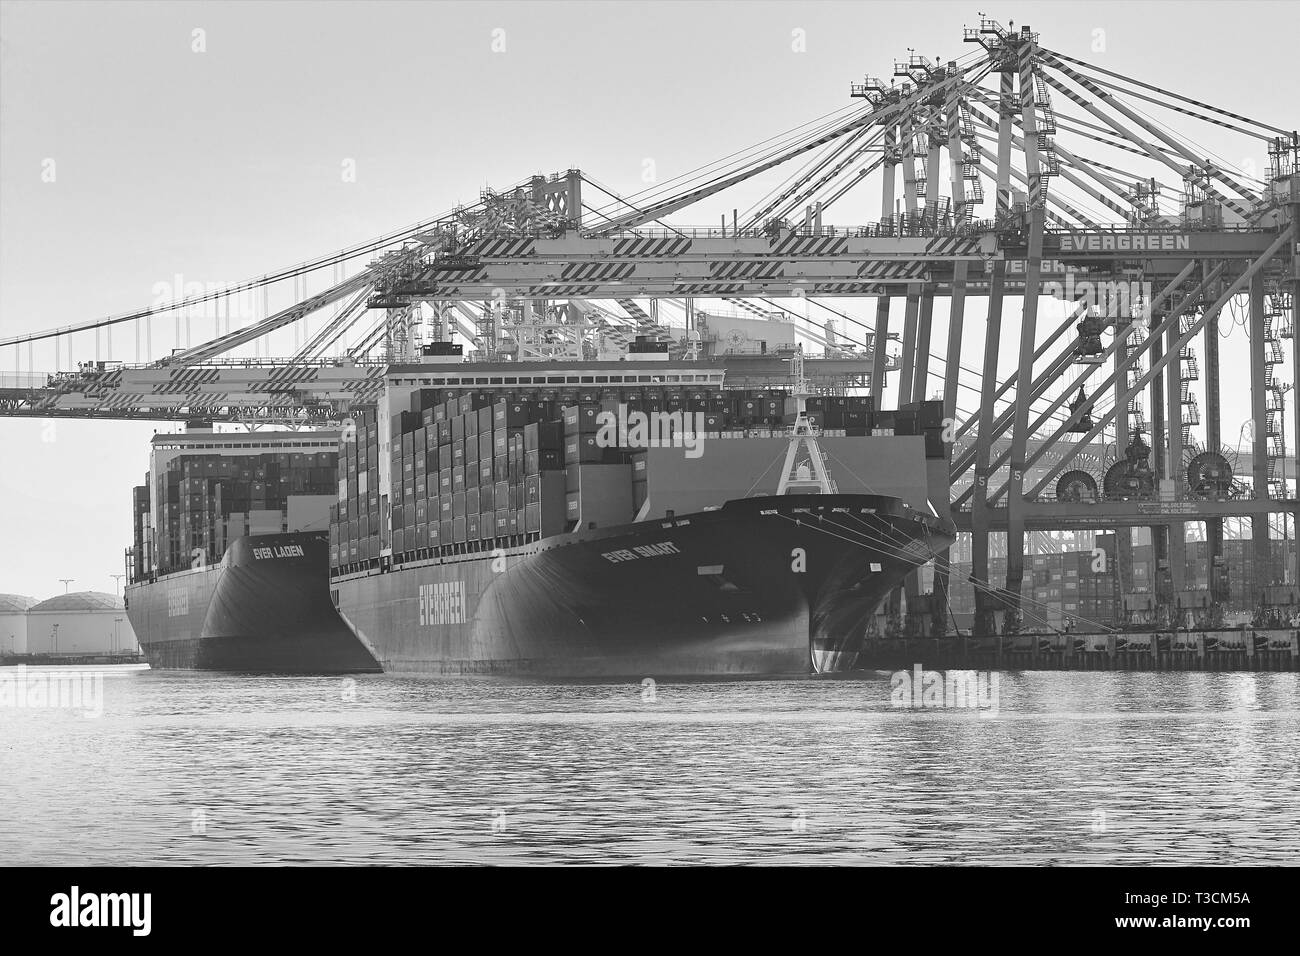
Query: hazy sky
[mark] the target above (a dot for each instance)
(223, 164)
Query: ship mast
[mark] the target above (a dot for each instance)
(811, 475)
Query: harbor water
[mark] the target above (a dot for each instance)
(1060, 768)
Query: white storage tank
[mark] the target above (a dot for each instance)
(85, 622)
(13, 623)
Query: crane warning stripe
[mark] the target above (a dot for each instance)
(183, 379)
(431, 276)
(796, 245)
(647, 247)
(952, 246)
(891, 270)
(597, 271)
(635, 311)
(290, 374)
(711, 288)
(846, 288)
(746, 270)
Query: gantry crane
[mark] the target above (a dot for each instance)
(1145, 237)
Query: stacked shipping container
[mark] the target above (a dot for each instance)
(1082, 585)
(354, 521)
(206, 501)
(469, 471)
(472, 470)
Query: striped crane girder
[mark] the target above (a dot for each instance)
(645, 325)
(616, 268)
(206, 387)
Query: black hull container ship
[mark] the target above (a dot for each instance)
(626, 519)
(229, 569)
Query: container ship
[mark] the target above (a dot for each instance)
(631, 518)
(229, 569)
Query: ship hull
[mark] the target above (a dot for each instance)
(760, 587)
(265, 609)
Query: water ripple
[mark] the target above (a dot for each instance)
(1072, 768)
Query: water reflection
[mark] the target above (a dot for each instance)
(1072, 768)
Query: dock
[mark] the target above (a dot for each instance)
(1248, 649)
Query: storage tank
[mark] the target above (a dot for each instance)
(85, 622)
(13, 623)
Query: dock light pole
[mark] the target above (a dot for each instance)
(66, 582)
(117, 582)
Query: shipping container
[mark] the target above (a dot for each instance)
(542, 435)
(602, 494)
(583, 449)
(533, 461)
(582, 419)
